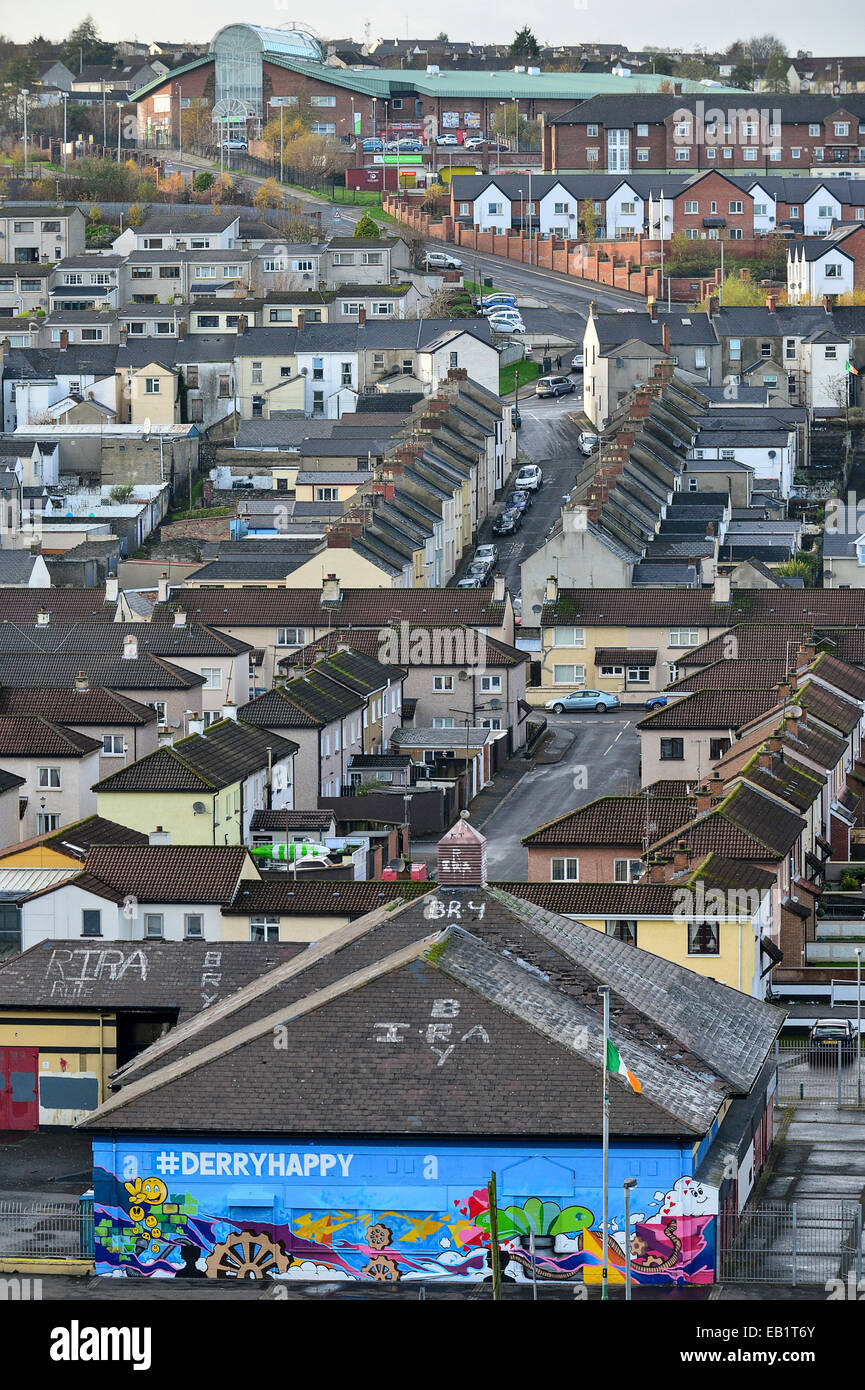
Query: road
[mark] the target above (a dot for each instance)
(602, 760)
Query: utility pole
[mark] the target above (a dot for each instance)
(65, 96)
(179, 121)
(25, 92)
(104, 118)
(119, 124)
(495, 1258)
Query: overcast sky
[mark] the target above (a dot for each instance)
(827, 29)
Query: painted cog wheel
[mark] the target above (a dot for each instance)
(382, 1270)
(247, 1255)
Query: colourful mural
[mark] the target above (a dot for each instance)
(152, 1227)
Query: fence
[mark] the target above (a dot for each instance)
(56, 1229)
(822, 1073)
(809, 1242)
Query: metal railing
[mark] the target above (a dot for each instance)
(798, 1243)
(56, 1229)
(823, 1073)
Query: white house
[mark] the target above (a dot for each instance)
(824, 359)
(820, 211)
(816, 267)
(765, 209)
(331, 385)
(625, 212)
(492, 210)
(557, 212)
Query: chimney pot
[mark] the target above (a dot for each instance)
(462, 856)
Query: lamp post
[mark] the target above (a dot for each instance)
(858, 1025)
(65, 98)
(516, 125)
(629, 1184)
(104, 117)
(179, 120)
(25, 92)
(119, 105)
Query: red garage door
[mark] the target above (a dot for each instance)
(19, 1104)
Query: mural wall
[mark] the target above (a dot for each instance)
(387, 1214)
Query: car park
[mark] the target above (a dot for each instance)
(587, 443)
(599, 700)
(498, 300)
(441, 260)
(656, 702)
(829, 1037)
(529, 478)
(507, 523)
(553, 386)
(508, 324)
(490, 310)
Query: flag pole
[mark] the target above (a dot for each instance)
(604, 991)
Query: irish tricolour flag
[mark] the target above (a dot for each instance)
(616, 1065)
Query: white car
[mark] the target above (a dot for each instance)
(235, 145)
(447, 140)
(440, 260)
(487, 552)
(529, 478)
(474, 142)
(587, 443)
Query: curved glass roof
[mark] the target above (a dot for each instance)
(289, 43)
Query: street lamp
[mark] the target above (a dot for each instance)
(65, 98)
(629, 1184)
(119, 105)
(104, 118)
(25, 92)
(179, 120)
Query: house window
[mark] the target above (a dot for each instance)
(257, 407)
(159, 706)
(684, 636)
(642, 131)
(343, 258)
(842, 127)
(345, 373)
(694, 484)
(407, 366)
(718, 747)
(47, 820)
(834, 270)
(627, 870)
(327, 494)
(794, 210)
(569, 637)
(564, 870)
(264, 929)
(212, 677)
(113, 745)
(280, 316)
(370, 258)
(154, 926)
(638, 674)
(592, 132)
(318, 402)
(91, 921)
(193, 925)
(818, 151)
(172, 272)
(192, 378)
(290, 636)
(491, 684)
(623, 930)
(318, 369)
(494, 209)
(382, 308)
(612, 671)
(749, 155)
(48, 778)
(703, 939)
(735, 349)
(642, 156)
(831, 353)
(796, 152)
(568, 675)
(682, 155)
(298, 265)
(207, 320)
(152, 386)
(735, 206)
(672, 750)
(692, 207)
(443, 682)
(825, 210)
(224, 387)
(378, 361)
(775, 156)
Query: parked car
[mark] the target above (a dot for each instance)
(499, 300)
(441, 260)
(487, 552)
(553, 386)
(656, 702)
(235, 145)
(490, 311)
(518, 501)
(577, 363)
(474, 142)
(506, 323)
(825, 1038)
(409, 143)
(529, 478)
(481, 569)
(516, 417)
(587, 443)
(470, 581)
(447, 140)
(507, 523)
(583, 699)
(373, 145)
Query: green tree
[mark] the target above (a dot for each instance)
(775, 76)
(202, 181)
(589, 221)
(742, 76)
(367, 226)
(525, 46)
(83, 45)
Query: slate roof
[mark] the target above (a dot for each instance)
(16, 566)
(141, 975)
(490, 651)
(170, 873)
(163, 639)
(285, 896)
(525, 982)
(753, 674)
(840, 714)
(92, 830)
(356, 608)
(675, 608)
(841, 674)
(98, 706)
(710, 709)
(615, 820)
(225, 752)
(59, 670)
(744, 825)
(23, 605)
(30, 736)
(295, 820)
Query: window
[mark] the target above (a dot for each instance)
(718, 747)
(153, 243)
(172, 272)
(627, 870)
(446, 722)
(273, 264)
(318, 369)
(47, 820)
(290, 636)
(142, 272)
(699, 357)
(113, 745)
(154, 925)
(371, 258)
(693, 485)
(642, 156)
(642, 131)
(682, 130)
(212, 677)
(842, 127)
(382, 308)
(22, 227)
(831, 353)
(794, 210)
(443, 682)
(775, 155)
(815, 129)
(818, 151)
(159, 706)
(569, 675)
(629, 209)
(256, 373)
(494, 209)
(638, 674)
(318, 402)
(672, 750)
(91, 921)
(834, 270)
(264, 929)
(623, 930)
(343, 258)
(48, 778)
(207, 320)
(612, 671)
(749, 155)
(790, 348)
(280, 316)
(152, 386)
(224, 387)
(735, 349)
(299, 265)
(796, 152)
(684, 636)
(703, 939)
(91, 335)
(322, 101)
(192, 377)
(465, 209)
(564, 870)
(825, 210)
(692, 207)
(73, 279)
(735, 206)
(710, 152)
(491, 684)
(682, 155)
(350, 306)
(378, 361)
(569, 637)
(345, 373)
(327, 494)
(407, 366)
(193, 925)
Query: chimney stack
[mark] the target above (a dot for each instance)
(180, 617)
(81, 681)
(703, 799)
(330, 591)
(665, 339)
(112, 588)
(301, 320)
(551, 591)
(652, 306)
(159, 836)
(130, 647)
(124, 332)
(229, 710)
(195, 725)
(361, 314)
(64, 339)
(181, 329)
(462, 856)
(681, 858)
(772, 303)
(721, 587)
(162, 587)
(498, 588)
(241, 324)
(43, 617)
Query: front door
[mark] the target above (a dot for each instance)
(19, 1103)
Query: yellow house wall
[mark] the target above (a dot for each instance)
(70, 1043)
(669, 939)
(236, 928)
(173, 811)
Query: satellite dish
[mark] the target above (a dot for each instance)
(198, 808)
(464, 676)
(495, 704)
